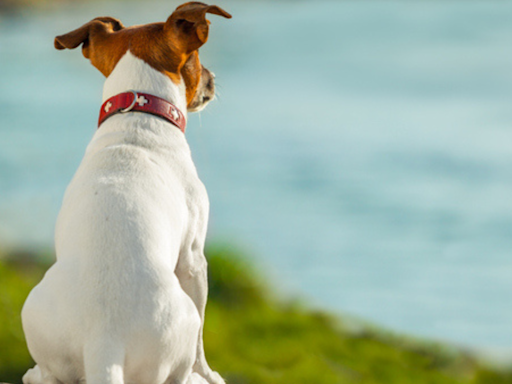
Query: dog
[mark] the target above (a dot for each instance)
(125, 300)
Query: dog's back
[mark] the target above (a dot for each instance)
(122, 225)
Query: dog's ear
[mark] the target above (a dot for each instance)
(81, 35)
(188, 25)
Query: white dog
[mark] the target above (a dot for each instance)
(124, 303)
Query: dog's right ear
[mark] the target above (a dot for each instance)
(188, 25)
(99, 25)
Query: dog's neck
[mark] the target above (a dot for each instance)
(132, 73)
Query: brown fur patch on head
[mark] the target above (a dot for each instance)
(169, 47)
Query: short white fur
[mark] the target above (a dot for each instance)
(124, 302)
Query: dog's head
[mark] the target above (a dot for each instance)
(170, 47)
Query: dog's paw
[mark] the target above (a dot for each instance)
(215, 378)
(195, 378)
(33, 376)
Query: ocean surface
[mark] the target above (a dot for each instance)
(359, 152)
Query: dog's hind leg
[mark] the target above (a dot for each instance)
(37, 375)
(104, 362)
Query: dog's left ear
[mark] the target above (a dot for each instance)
(99, 25)
(189, 26)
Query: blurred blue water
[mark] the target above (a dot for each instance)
(361, 150)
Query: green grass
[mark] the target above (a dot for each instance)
(253, 338)
(16, 281)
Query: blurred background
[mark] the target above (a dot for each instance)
(360, 151)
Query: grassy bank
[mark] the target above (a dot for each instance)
(251, 337)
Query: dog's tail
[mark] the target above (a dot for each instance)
(104, 361)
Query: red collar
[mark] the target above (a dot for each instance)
(132, 101)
